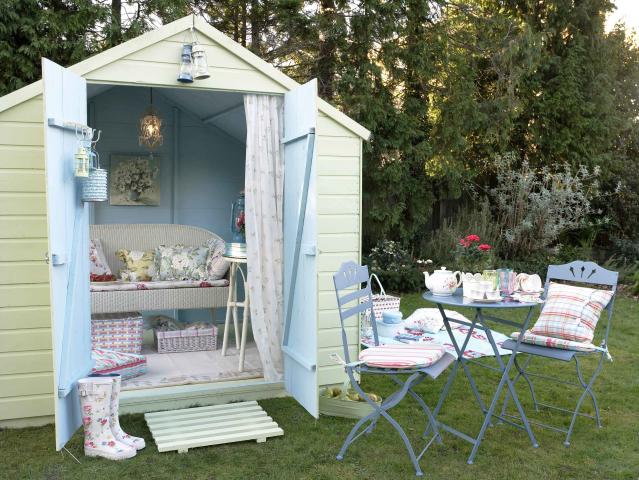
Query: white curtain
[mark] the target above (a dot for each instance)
(264, 189)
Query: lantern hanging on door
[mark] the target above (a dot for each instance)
(81, 167)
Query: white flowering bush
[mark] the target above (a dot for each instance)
(535, 207)
(134, 176)
(395, 266)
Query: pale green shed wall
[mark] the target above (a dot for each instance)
(26, 383)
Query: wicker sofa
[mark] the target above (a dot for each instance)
(147, 237)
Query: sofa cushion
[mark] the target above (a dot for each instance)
(216, 264)
(179, 262)
(156, 285)
(138, 265)
(98, 265)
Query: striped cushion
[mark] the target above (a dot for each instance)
(128, 365)
(551, 342)
(571, 313)
(402, 356)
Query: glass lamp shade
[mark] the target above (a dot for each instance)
(238, 220)
(186, 66)
(200, 65)
(151, 129)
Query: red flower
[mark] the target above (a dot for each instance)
(472, 238)
(484, 247)
(465, 243)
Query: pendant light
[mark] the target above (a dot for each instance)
(150, 127)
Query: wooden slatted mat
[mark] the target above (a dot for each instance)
(202, 426)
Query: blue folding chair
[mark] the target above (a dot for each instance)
(348, 288)
(579, 272)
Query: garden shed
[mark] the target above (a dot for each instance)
(44, 227)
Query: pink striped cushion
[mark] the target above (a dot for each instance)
(402, 356)
(571, 313)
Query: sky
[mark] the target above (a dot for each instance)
(627, 11)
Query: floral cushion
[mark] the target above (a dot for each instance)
(529, 337)
(138, 265)
(430, 320)
(128, 365)
(97, 260)
(402, 356)
(179, 262)
(156, 285)
(571, 313)
(216, 264)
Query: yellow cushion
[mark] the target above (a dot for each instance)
(139, 266)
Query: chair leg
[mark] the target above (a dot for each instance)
(521, 373)
(382, 410)
(587, 391)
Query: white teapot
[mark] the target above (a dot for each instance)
(443, 282)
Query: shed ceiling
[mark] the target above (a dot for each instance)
(222, 110)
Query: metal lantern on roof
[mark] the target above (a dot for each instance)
(200, 65)
(151, 128)
(186, 65)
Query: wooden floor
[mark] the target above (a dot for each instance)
(203, 426)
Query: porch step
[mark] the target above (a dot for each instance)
(203, 426)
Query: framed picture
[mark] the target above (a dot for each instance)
(134, 180)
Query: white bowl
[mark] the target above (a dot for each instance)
(389, 330)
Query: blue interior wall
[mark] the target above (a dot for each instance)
(197, 188)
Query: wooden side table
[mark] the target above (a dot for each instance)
(232, 305)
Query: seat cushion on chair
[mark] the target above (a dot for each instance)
(553, 342)
(571, 313)
(402, 356)
(128, 365)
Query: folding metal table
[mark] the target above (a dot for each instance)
(479, 323)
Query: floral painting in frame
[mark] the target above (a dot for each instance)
(134, 180)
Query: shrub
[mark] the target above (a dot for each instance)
(476, 218)
(471, 255)
(395, 267)
(535, 207)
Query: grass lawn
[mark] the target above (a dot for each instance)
(308, 447)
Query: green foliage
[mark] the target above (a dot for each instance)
(395, 267)
(635, 284)
(475, 218)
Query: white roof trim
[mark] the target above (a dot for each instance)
(166, 31)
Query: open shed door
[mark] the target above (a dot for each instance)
(65, 104)
(300, 233)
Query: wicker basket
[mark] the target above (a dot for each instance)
(120, 332)
(190, 340)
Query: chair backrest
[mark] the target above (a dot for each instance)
(352, 299)
(583, 272)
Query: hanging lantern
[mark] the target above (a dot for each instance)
(200, 65)
(151, 128)
(186, 65)
(81, 162)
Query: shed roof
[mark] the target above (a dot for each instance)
(118, 52)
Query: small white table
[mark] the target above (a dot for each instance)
(232, 305)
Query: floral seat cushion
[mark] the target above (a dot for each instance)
(402, 356)
(128, 365)
(552, 342)
(155, 285)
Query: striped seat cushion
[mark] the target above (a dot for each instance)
(571, 313)
(402, 356)
(551, 342)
